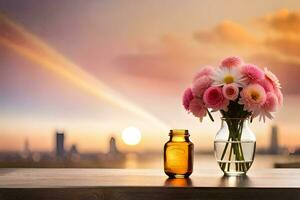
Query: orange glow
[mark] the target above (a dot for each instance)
(151, 53)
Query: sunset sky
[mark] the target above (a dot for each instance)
(93, 68)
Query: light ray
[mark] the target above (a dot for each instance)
(26, 44)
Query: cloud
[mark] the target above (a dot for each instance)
(283, 21)
(285, 45)
(275, 43)
(272, 41)
(282, 47)
(282, 31)
(277, 31)
(227, 32)
(162, 60)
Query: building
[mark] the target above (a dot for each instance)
(26, 153)
(60, 149)
(73, 150)
(113, 147)
(274, 147)
(113, 153)
(74, 154)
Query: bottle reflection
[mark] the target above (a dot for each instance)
(178, 182)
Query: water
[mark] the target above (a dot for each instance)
(235, 167)
(235, 157)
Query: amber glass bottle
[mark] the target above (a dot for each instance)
(179, 154)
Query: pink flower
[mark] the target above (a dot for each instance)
(279, 95)
(266, 84)
(271, 102)
(200, 85)
(253, 97)
(230, 91)
(204, 71)
(232, 61)
(187, 98)
(251, 73)
(269, 106)
(198, 108)
(273, 78)
(213, 98)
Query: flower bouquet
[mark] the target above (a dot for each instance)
(240, 92)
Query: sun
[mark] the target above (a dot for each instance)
(131, 135)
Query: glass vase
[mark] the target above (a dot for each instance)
(234, 146)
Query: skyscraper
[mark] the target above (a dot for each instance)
(113, 154)
(60, 150)
(26, 146)
(112, 147)
(274, 147)
(26, 154)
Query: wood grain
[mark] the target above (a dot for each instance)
(146, 184)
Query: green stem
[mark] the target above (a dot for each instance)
(235, 133)
(210, 116)
(223, 165)
(246, 166)
(228, 167)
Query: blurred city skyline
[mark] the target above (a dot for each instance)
(147, 53)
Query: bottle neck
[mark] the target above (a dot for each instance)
(179, 138)
(179, 135)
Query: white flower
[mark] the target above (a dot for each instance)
(223, 76)
(272, 77)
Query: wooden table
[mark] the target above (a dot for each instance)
(139, 184)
